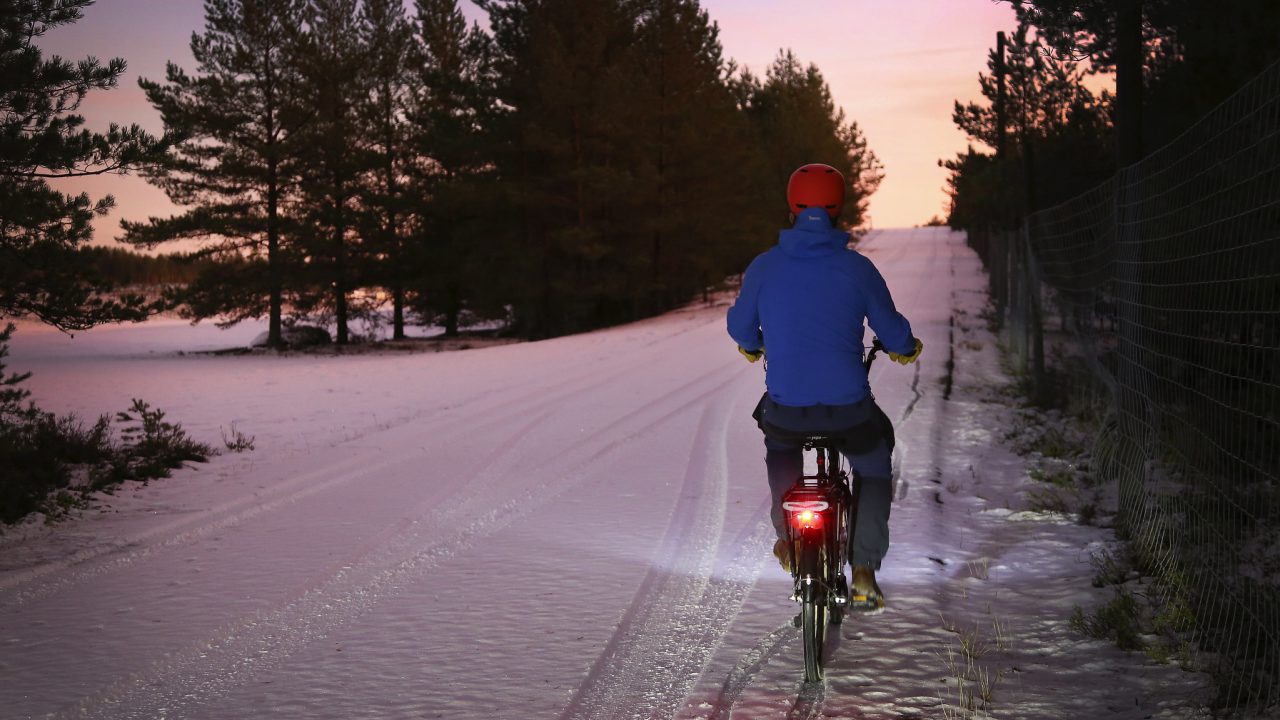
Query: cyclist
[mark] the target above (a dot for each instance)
(808, 297)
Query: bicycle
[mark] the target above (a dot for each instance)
(820, 510)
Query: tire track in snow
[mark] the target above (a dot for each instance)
(493, 488)
(748, 666)
(92, 562)
(668, 623)
(915, 395)
(390, 535)
(641, 669)
(145, 542)
(902, 485)
(808, 704)
(185, 679)
(728, 590)
(902, 444)
(229, 515)
(810, 697)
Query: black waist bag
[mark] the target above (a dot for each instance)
(859, 427)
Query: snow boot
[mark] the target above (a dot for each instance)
(865, 596)
(783, 551)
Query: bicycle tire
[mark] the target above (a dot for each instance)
(813, 627)
(813, 607)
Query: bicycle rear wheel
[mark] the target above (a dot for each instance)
(813, 607)
(813, 627)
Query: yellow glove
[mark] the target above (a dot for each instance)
(908, 359)
(751, 355)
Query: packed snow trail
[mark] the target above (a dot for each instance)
(575, 528)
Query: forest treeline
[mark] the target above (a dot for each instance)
(576, 163)
(128, 269)
(1047, 137)
(579, 163)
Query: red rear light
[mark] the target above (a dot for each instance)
(807, 519)
(806, 513)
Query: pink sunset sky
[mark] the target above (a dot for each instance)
(895, 66)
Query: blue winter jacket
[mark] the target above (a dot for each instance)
(805, 301)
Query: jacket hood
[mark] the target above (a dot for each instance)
(813, 236)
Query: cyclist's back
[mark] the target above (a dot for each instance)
(807, 299)
(812, 294)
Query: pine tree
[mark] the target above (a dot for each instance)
(1182, 57)
(863, 172)
(388, 40)
(565, 71)
(452, 120)
(1041, 92)
(335, 157)
(1112, 34)
(1058, 135)
(236, 167)
(696, 156)
(41, 137)
(797, 122)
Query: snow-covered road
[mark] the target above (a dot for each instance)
(573, 528)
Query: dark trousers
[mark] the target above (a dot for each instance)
(865, 438)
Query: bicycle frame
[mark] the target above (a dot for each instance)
(817, 514)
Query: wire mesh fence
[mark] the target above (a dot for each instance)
(1166, 281)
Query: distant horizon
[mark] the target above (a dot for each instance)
(895, 70)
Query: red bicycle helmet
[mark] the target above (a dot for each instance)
(816, 185)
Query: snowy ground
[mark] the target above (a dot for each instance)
(573, 528)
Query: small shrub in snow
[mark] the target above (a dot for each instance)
(1111, 568)
(1179, 653)
(38, 449)
(1157, 620)
(979, 569)
(64, 502)
(972, 682)
(1059, 476)
(52, 462)
(1088, 514)
(1118, 621)
(1054, 443)
(1047, 500)
(1000, 634)
(237, 441)
(152, 447)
